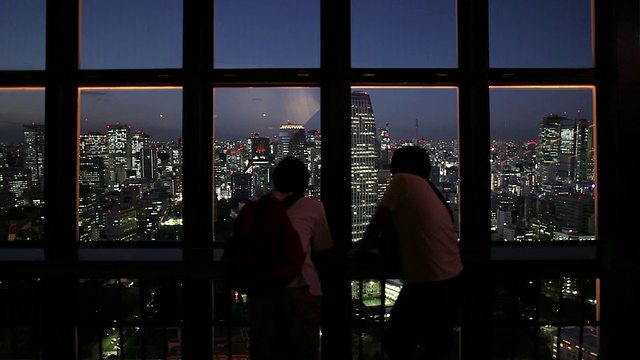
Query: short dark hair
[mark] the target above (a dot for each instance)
(291, 175)
(412, 160)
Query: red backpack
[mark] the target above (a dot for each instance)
(264, 253)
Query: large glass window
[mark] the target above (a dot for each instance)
(403, 34)
(385, 119)
(254, 129)
(22, 162)
(139, 34)
(542, 165)
(130, 165)
(22, 34)
(540, 34)
(267, 34)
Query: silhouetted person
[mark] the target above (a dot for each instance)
(426, 309)
(286, 324)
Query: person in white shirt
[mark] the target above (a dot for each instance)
(286, 324)
(426, 310)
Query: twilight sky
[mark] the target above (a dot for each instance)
(120, 34)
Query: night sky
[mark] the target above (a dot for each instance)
(121, 34)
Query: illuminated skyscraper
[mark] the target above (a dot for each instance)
(34, 153)
(548, 147)
(94, 153)
(119, 145)
(364, 156)
(139, 141)
(291, 140)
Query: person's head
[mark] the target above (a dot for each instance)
(290, 175)
(412, 160)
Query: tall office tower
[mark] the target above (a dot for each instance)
(314, 144)
(119, 148)
(260, 164)
(567, 154)
(88, 216)
(240, 185)
(175, 152)
(94, 159)
(364, 156)
(16, 182)
(149, 163)
(260, 149)
(292, 142)
(139, 141)
(34, 153)
(92, 173)
(548, 147)
(385, 151)
(584, 151)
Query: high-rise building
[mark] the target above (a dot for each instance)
(292, 141)
(364, 159)
(314, 144)
(94, 160)
(149, 163)
(121, 223)
(16, 182)
(260, 150)
(548, 147)
(119, 148)
(385, 150)
(34, 153)
(584, 150)
(139, 141)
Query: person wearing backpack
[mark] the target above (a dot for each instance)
(285, 323)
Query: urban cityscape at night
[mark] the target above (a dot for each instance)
(542, 189)
(179, 111)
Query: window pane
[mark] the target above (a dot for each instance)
(544, 33)
(130, 165)
(113, 312)
(22, 34)
(529, 315)
(122, 34)
(22, 165)
(254, 129)
(542, 165)
(403, 34)
(383, 120)
(267, 34)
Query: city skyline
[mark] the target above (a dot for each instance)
(239, 112)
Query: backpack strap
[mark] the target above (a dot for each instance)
(291, 199)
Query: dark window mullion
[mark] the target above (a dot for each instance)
(473, 139)
(198, 193)
(61, 185)
(335, 107)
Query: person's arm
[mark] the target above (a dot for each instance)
(371, 234)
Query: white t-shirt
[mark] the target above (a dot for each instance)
(310, 220)
(428, 241)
